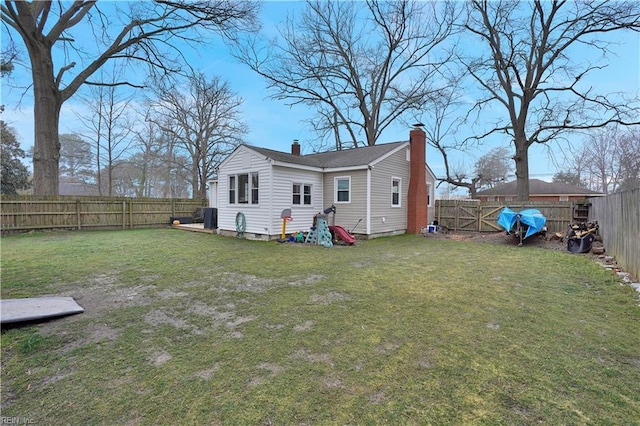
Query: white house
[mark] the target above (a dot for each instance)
(369, 186)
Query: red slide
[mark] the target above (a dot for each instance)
(342, 234)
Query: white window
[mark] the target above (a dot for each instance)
(508, 198)
(232, 189)
(342, 190)
(564, 198)
(306, 196)
(301, 194)
(254, 188)
(243, 188)
(429, 189)
(396, 190)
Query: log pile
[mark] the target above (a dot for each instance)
(581, 236)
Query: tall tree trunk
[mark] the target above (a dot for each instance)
(202, 189)
(194, 177)
(46, 108)
(522, 168)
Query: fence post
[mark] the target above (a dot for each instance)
(130, 214)
(78, 216)
(124, 214)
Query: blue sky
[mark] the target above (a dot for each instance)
(274, 125)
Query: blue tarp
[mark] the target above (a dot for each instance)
(530, 217)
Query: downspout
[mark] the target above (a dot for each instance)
(368, 218)
(271, 196)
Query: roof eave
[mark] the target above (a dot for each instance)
(345, 168)
(296, 166)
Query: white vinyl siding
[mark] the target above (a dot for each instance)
(282, 197)
(348, 214)
(386, 218)
(244, 161)
(431, 205)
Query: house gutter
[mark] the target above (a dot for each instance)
(345, 169)
(296, 166)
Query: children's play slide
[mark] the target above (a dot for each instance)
(342, 234)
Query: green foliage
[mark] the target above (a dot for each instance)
(76, 158)
(15, 175)
(400, 330)
(571, 178)
(30, 343)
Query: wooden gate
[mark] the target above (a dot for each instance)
(472, 215)
(459, 215)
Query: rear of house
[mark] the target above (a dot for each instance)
(251, 192)
(368, 187)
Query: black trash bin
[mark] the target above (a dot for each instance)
(210, 218)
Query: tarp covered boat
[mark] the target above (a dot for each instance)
(523, 224)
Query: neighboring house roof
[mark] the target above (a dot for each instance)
(353, 157)
(537, 187)
(68, 185)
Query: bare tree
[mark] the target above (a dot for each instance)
(8, 56)
(443, 123)
(205, 121)
(528, 67)
(146, 159)
(630, 162)
(109, 122)
(146, 32)
(612, 159)
(493, 167)
(572, 178)
(360, 66)
(155, 169)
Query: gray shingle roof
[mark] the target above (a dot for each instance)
(333, 159)
(72, 186)
(538, 187)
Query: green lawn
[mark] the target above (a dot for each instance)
(186, 328)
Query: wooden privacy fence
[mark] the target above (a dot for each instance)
(29, 212)
(618, 217)
(472, 215)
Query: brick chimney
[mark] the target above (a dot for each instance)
(295, 147)
(417, 192)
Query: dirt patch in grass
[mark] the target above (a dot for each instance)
(329, 298)
(308, 325)
(158, 358)
(500, 238)
(95, 333)
(158, 317)
(101, 298)
(312, 357)
(208, 373)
